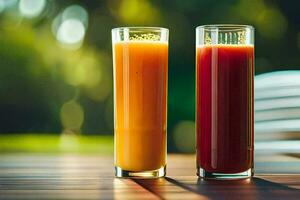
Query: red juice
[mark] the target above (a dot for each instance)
(224, 115)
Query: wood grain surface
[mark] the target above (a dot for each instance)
(31, 176)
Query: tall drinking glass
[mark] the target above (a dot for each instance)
(140, 57)
(224, 87)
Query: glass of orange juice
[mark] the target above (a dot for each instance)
(140, 59)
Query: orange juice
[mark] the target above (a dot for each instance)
(140, 81)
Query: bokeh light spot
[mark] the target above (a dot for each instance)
(72, 115)
(9, 3)
(271, 23)
(184, 136)
(99, 92)
(75, 12)
(69, 27)
(2, 5)
(84, 72)
(138, 12)
(31, 8)
(71, 31)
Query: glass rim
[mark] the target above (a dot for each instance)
(226, 27)
(140, 28)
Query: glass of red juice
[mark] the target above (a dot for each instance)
(224, 101)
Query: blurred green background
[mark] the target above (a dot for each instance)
(56, 64)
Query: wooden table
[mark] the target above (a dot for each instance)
(82, 177)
